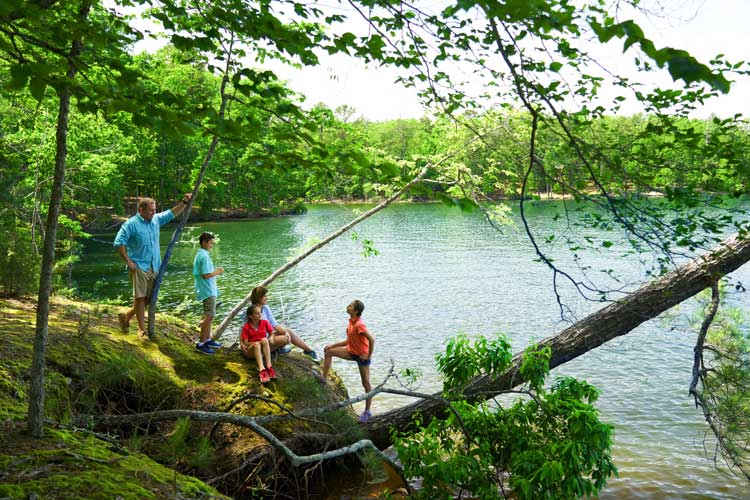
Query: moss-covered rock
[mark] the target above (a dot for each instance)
(93, 368)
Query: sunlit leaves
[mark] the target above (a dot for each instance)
(463, 360)
(548, 444)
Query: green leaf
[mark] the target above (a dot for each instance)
(389, 169)
(19, 74)
(37, 87)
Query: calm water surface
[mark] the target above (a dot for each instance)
(440, 272)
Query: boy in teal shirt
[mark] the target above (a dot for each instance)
(204, 275)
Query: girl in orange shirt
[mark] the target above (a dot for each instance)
(358, 346)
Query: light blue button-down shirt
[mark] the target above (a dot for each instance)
(141, 238)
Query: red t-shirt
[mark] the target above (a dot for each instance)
(251, 334)
(356, 343)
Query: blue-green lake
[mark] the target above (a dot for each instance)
(440, 272)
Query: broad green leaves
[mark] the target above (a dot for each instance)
(681, 65)
(547, 444)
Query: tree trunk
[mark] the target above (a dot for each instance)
(35, 417)
(615, 320)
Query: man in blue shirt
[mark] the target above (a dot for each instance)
(204, 276)
(137, 242)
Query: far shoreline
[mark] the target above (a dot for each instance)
(298, 208)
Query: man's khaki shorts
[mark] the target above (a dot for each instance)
(143, 282)
(209, 307)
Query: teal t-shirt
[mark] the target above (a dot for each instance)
(202, 264)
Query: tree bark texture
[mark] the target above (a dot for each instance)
(614, 320)
(35, 416)
(36, 391)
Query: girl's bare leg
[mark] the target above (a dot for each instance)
(266, 351)
(257, 352)
(297, 340)
(364, 374)
(339, 352)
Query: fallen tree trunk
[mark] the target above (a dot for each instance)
(615, 320)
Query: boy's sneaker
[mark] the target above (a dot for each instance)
(204, 349)
(285, 350)
(212, 343)
(365, 417)
(271, 372)
(264, 376)
(312, 355)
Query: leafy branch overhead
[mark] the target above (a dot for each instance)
(539, 62)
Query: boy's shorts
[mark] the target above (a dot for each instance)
(361, 361)
(143, 282)
(209, 306)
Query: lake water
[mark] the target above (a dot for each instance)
(440, 272)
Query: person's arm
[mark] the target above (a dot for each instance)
(123, 251)
(177, 209)
(268, 316)
(243, 344)
(217, 272)
(371, 339)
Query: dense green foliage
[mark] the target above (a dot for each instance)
(547, 444)
(319, 155)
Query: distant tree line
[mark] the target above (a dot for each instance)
(113, 159)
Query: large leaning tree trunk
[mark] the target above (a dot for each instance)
(35, 416)
(615, 320)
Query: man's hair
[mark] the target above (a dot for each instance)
(145, 202)
(358, 307)
(250, 310)
(204, 237)
(258, 293)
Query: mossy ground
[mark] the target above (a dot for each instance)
(94, 368)
(66, 464)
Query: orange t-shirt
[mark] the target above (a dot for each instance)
(356, 343)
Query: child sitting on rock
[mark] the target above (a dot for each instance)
(254, 342)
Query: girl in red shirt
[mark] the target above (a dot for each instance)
(254, 342)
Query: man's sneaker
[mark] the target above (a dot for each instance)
(204, 349)
(124, 322)
(365, 417)
(312, 355)
(285, 350)
(212, 343)
(271, 372)
(264, 376)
